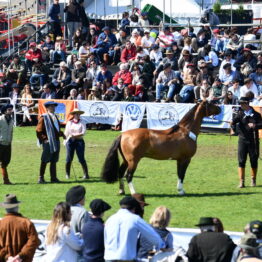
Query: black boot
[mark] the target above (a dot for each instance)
(85, 170)
(54, 179)
(41, 179)
(68, 167)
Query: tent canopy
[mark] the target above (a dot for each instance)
(113, 9)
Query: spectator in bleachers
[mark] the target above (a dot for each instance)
(78, 75)
(167, 80)
(136, 38)
(85, 23)
(78, 38)
(124, 74)
(159, 221)
(59, 92)
(95, 94)
(93, 232)
(202, 39)
(230, 99)
(257, 78)
(47, 92)
(72, 94)
(218, 91)
(121, 242)
(187, 45)
(32, 53)
(106, 41)
(248, 86)
(92, 38)
(27, 103)
(250, 36)
(186, 59)
(91, 74)
(246, 56)
(205, 90)
(228, 76)
(210, 245)
(62, 75)
(72, 11)
(70, 61)
(235, 88)
(147, 41)
(15, 94)
(156, 55)
(148, 68)
(84, 51)
(62, 244)
(104, 74)
(165, 38)
(125, 22)
(210, 57)
(186, 94)
(18, 236)
(54, 18)
(47, 48)
(60, 51)
(118, 90)
(81, 94)
(39, 73)
(128, 53)
(16, 71)
(234, 44)
(227, 60)
(216, 41)
(143, 21)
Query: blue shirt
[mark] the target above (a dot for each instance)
(102, 77)
(121, 235)
(53, 13)
(111, 40)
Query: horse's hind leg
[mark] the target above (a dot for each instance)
(129, 176)
(122, 171)
(181, 171)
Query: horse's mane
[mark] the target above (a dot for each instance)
(188, 117)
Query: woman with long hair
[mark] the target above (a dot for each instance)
(61, 242)
(27, 103)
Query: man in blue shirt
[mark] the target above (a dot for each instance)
(54, 19)
(122, 230)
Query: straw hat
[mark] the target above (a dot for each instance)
(77, 111)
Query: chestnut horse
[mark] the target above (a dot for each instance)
(176, 143)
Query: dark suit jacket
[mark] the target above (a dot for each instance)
(44, 95)
(210, 247)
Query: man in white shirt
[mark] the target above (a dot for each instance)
(122, 230)
(248, 86)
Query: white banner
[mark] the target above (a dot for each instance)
(133, 114)
(99, 111)
(164, 116)
(219, 121)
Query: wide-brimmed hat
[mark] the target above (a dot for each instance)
(99, 206)
(248, 241)
(140, 198)
(76, 111)
(10, 201)
(169, 52)
(75, 194)
(129, 202)
(50, 103)
(205, 221)
(5, 107)
(95, 88)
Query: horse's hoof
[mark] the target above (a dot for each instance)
(121, 192)
(181, 192)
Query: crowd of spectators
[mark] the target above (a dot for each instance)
(75, 234)
(151, 63)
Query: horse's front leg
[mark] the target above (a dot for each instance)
(181, 171)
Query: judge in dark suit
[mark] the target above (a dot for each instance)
(48, 131)
(210, 246)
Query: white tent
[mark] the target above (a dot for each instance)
(110, 8)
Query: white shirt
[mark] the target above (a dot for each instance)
(75, 128)
(222, 71)
(147, 42)
(212, 56)
(244, 90)
(66, 247)
(156, 56)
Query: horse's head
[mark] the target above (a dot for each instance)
(210, 108)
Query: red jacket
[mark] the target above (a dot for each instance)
(128, 54)
(30, 54)
(126, 76)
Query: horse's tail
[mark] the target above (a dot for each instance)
(111, 166)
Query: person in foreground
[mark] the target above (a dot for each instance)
(209, 245)
(74, 132)
(18, 236)
(48, 131)
(122, 230)
(246, 123)
(6, 137)
(93, 232)
(61, 242)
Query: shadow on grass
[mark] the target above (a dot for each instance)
(204, 194)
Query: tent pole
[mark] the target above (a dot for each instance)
(170, 12)
(105, 11)
(164, 7)
(95, 10)
(231, 13)
(64, 22)
(117, 14)
(36, 22)
(8, 15)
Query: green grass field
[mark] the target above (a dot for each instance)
(211, 181)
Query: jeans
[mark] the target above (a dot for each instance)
(56, 53)
(172, 89)
(187, 94)
(34, 78)
(71, 28)
(77, 145)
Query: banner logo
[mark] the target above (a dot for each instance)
(133, 111)
(99, 110)
(168, 116)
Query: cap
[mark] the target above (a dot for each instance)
(256, 227)
(216, 31)
(147, 31)
(50, 103)
(32, 44)
(105, 28)
(75, 194)
(205, 221)
(98, 206)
